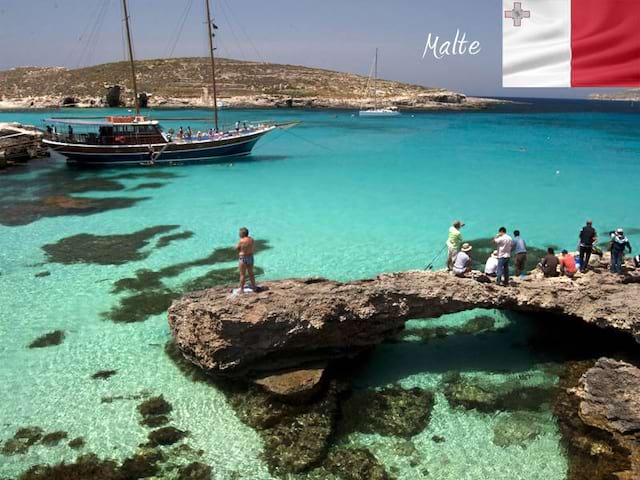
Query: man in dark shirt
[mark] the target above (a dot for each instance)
(549, 264)
(588, 237)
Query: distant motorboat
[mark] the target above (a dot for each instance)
(377, 111)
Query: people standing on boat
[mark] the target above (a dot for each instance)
(180, 133)
(454, 242)
(238, 126)
(70, 132)
(618, 244)
(549, 264)
(211, 133)
(244, 125)
(188, 134)
(462, 262)
(568, 264)
(504, 244)
(199, 135)
(49, 130)
(588, 238)
(520, 249)
(491, 267)
(245, 262)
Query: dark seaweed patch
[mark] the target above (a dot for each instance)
(154, 421)
(22, 440)
(168, 239)
(48, 339)
(155, 406)
(24, 212)
(42, 274)
(143, 186)
(53, 438)
(103, 249)
(151, 297)
(77, 443)
(104, 374)
(140, 306)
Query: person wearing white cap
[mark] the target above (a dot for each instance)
(618, 243)
(491, 267)
(462, 262)
(454, 242)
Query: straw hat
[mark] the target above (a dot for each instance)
(619, 230)
(466, 247)
(494, 253)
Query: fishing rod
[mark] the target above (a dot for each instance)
(430, 266)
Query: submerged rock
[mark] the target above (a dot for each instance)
(142, 186)
(294, 386)
(142, 465)
(295, 436)
(166, 436)
(48, 339)
(393, 411)
(154, 421)
(166, 240)
(84, 468)
(517, 428)
(46, 273)
(355, 464)
(194, 471)
(461, 392)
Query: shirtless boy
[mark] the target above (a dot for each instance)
(245, 252)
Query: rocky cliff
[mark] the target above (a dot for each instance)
(299, 321)
(180, 82)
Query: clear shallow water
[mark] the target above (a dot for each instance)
(376, 195)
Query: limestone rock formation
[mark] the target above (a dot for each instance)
(303, 320)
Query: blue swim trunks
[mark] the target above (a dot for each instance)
(246, 259)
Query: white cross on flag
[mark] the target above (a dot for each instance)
(571, 43)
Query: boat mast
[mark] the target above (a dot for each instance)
(210, 27)
(375, 82)
(133, 67)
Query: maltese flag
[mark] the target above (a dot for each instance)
(571, 43)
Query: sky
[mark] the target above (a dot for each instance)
(335, 34)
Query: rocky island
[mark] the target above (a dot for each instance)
(185, 82)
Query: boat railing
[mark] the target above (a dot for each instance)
(97, 139)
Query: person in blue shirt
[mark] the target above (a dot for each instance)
(618, 244)
(520, 249)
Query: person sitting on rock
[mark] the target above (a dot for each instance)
(618, 244)
(549, 264)
(491, 267)
(568, 264)
(462, 262)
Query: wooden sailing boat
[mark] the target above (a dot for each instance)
(375, 111)
(135, 140)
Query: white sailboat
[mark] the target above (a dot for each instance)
(376, 111)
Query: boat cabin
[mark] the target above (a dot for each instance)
(122, 130)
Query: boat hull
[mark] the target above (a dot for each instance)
(173, 152)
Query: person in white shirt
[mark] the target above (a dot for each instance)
(491, 267)
(504, 244)
(462, 262)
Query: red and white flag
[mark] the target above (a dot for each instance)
(571, 43)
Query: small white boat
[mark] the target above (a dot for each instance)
(377, 111)
(380, 112)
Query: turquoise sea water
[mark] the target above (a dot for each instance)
(340, 197)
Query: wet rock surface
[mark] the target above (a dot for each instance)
(517, 428)
(293, 386)
(314, 319)
(355, 464)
